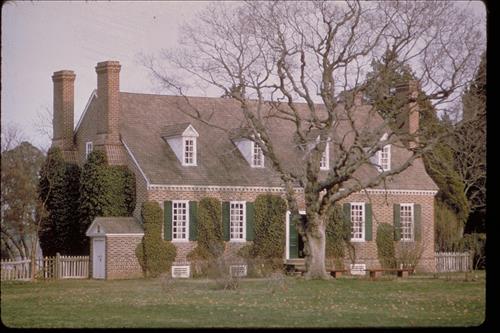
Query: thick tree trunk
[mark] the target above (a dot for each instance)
(314, 244)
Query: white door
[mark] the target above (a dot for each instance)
(98, 258)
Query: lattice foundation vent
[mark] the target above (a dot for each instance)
(180, 271)
(358, 269)
(238, 270)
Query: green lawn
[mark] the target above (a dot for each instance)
(345, 302)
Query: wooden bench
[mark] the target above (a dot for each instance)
(337, 272)
(402, 272)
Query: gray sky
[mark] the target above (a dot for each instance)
(39, 38)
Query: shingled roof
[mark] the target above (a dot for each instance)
(115, 225)
(146, 118)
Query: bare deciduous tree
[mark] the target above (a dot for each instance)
(305, 63)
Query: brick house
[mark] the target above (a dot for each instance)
(178, 160)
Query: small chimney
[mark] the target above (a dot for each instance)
(108, 97)
(63, 113)
(408, 118)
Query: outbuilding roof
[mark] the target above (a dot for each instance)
(114, 226)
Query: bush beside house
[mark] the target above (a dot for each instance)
(154, 254)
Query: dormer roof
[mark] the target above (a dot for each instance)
(178, 130)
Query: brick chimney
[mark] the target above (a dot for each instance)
(63, 113)
(108, 97)
(408, 119)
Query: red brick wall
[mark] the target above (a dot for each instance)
(366, 252)
(121, 261)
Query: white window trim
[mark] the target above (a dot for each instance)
(326, 154)
(363, 225)
(262, 163)
(184, 139)
(87, 150)
(244, 239)
(412, 227)
(180, 240)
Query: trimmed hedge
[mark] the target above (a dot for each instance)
(385, 245)
(338, 233)
(210, 235)
(153, 253)
(269, 226)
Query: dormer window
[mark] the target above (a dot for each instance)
(244, 139)
(189, 151)
(257, 156)
(384, 156)
(182, 140)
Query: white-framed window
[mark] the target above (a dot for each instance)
(257, 156)
(406, 219)
(324, 163)
(384, 156)
(357, 221)
(89, 146)
(180, 220)
(237, 221)
(189, 151)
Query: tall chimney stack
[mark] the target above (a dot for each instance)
(408, 118)
(108, 96)
(64, 108)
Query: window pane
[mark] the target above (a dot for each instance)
(357, 221)
(236, 220)
(179, 219)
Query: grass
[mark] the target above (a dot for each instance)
(346, 302)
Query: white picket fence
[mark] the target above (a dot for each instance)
(453, 262)
(58, 267)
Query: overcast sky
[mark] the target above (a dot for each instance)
(39, 38)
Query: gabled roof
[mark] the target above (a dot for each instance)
(114, 226)
(146, 118)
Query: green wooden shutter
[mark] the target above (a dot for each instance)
(167, 215)
(368, 222)
(225, 219)
(293, 239)
(193, 220)
(417, 224)
(397, 222)
(347, 216)
(250, 215)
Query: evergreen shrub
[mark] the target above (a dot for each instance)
(385, 245)
(338, 233)
(154, 254)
